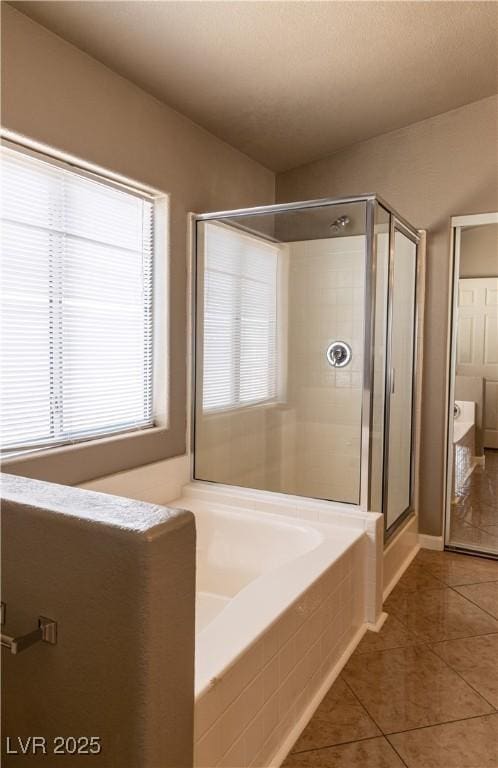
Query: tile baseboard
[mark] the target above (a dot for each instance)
(430, 542)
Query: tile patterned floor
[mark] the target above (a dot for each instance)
(474, 517)
(423, 692)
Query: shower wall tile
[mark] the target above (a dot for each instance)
(155, 483)
(326, 283)
(251, 447)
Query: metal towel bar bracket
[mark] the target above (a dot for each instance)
(46, 633)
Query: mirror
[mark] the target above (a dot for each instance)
(472, 458)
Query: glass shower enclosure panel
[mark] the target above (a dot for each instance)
(280, 319)
(380, 276)
(399, 447)
(305, 347)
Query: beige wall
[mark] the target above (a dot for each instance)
(479, 251)
(429, 171)
(54, 93)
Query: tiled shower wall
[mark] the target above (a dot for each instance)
(326, 303)
(250, 447)
(308, 443)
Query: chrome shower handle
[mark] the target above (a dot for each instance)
(338, 354)
(46, 633)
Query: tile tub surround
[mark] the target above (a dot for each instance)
(248, 715)
(295, 606)
(433, 703)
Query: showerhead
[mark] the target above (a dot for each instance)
(340, 223)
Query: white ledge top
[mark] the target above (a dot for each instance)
(91, 507)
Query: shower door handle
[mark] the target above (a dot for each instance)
(393, 380)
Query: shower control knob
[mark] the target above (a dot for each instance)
(338, 354)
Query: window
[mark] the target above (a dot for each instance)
(76, 301)
(240, 319)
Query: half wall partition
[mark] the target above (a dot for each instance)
(305, 326)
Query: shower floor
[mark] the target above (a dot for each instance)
(474, 517)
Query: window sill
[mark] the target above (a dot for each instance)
(81, 462)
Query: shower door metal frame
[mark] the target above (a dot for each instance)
(398, 225)
(370, 200)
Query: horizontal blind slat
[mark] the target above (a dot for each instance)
(76, 305)
(239, 323)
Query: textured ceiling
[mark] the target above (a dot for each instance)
(291, 82)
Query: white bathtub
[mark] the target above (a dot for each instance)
(280, 601)
(464, 420)
(463, 444)
(235, 548)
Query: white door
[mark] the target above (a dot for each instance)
(477, 344)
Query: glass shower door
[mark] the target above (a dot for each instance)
(280, 314)
(398, 463)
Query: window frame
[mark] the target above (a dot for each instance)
(61, 461)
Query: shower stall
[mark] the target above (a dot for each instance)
(305, 318)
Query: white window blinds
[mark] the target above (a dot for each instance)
(240, 319)
(76, 305)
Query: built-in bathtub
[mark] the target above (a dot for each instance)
(236, 548)
(463, 444)
(285, 589)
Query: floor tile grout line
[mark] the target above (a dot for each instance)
(391, 648)
(363, 706)
(428, 644)
(444, 722)
(374, 721)
(428, 565)
(345, 743)
(396, 751)
(338, 744)
(352, 741)
(446, 664)
(444, 585)
(425, 641)
(424, 568)
(472, 601)
(386, 735)
(410, 632)
(474, 583)
(481, 695)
